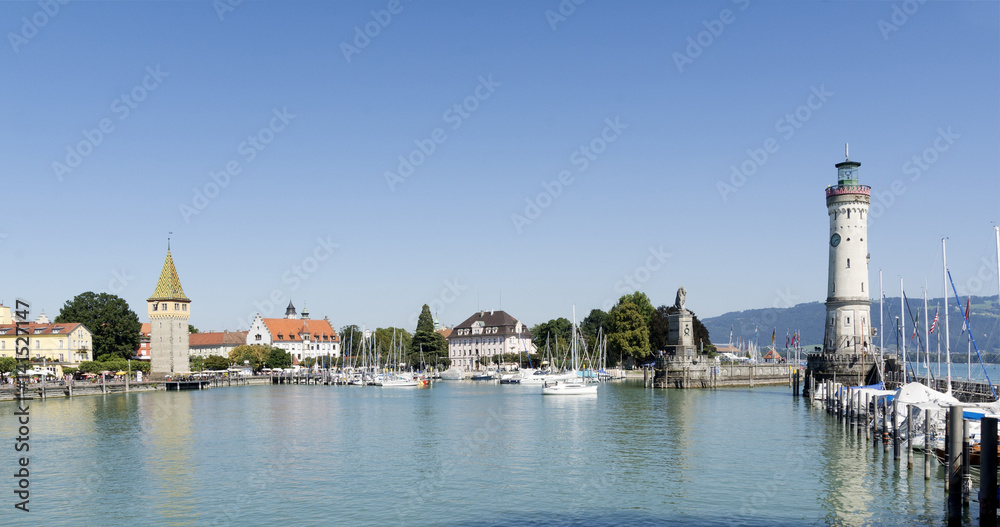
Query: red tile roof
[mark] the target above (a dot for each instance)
(31, 328)
(291, 330)
(217, 338)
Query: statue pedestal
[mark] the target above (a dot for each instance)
(680, 335)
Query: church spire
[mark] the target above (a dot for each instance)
(169, 286)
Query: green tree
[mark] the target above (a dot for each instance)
(427, 342)
(629, 336)
(114, 326)
(556, 330)
(216, 362)
(91, 367)
(597, 321)
(351, 338)
(197, 363)
(256, 354)
(701, 335)
(7, 365)
(658, 329)
(278, 358)
(642, 304)
(386, 338)
(192, 329)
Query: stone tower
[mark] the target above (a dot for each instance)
(168, 324)
(848, 306)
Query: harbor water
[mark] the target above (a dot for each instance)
(459, 453)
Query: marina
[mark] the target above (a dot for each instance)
(467, 453)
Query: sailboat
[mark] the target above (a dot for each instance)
(577, 384)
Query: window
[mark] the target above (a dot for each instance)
(257, 337)
(163, 306)
(862, 287)
(184, 307)
(60, 345)
(156, 306)
(177, 307)
(848, 263)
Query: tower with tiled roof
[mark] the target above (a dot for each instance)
(169, 312)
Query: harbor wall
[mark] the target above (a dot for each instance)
(699, 373)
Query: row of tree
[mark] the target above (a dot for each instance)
(422, 349)
(634, 329)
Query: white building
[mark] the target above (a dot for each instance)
(485, 334)
(848, 304)
(300, 337)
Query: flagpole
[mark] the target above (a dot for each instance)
(947, 333)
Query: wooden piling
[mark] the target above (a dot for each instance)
(885, 423)
(909, 437)
(895, 432)
(928, 447)
(955, 464)
(966, 450)
(811, 384)
(988, 473)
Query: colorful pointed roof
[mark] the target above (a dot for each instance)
(169, 286)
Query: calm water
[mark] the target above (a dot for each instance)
(460, 453)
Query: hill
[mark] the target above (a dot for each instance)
(808, 318)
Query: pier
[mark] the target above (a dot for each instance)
(700, 372)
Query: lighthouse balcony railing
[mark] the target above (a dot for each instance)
(836, 190)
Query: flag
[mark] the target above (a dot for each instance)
(787, 341)
(968, 302)
(774, 332)
(934, 324)
(916, 324)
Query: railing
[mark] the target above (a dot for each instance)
(834, 190)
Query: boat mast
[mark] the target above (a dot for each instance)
(881, 321)
(927, 338)
(947, 333)
(902, 322)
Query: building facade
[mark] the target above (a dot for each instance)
(485, 334)
(58, 344)
(848, 304)
(302, 337)
(215, 342)
(168, 310)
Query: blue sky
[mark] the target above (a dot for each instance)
(311, 214)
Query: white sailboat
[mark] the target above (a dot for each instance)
(576, 384)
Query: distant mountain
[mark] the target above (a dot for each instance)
(808, 319)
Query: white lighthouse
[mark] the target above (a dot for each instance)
(848, 306)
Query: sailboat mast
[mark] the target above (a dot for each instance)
(947, 333)
(902, 321)
(881, 322)
(927, 338)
